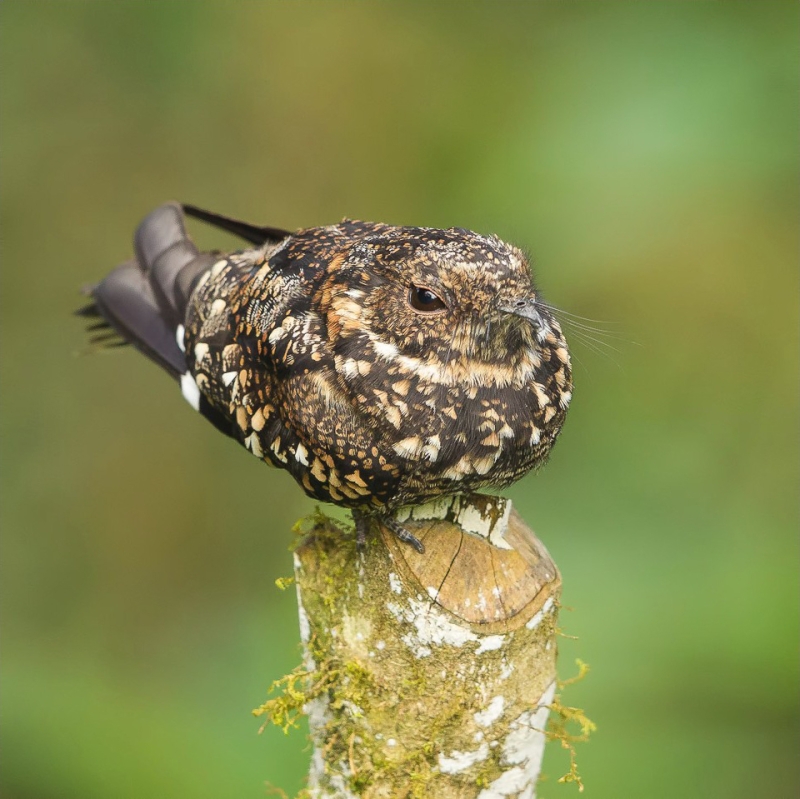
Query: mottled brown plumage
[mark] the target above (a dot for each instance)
(382, 366)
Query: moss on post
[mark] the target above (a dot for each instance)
(427, 675)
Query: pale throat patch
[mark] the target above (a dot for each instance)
(454, 372)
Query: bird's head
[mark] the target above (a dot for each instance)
(451, 306)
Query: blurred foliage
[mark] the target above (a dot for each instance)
(645, 153)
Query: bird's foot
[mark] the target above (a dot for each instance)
(390, 523)
(361, 521)
(401, 533)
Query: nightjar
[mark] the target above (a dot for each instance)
(381, 366)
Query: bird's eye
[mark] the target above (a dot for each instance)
(424, 300)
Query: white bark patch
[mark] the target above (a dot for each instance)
(438, 509)
(431, 627)
(489, 643)
(395, 584)
(456, 762)
(319, 715)
(523, 749)
(305, 626)
(493, 712)
(498, 531)
(338, 785)
(537, 617)
(535, 620)
(491, 525)
(525, 741)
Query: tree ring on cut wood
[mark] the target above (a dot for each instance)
(481, 563)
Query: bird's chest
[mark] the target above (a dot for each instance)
(442, 430)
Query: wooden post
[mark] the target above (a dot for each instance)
(430, 674)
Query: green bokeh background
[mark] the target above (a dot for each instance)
(645, 153)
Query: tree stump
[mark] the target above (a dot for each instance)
(430, 674)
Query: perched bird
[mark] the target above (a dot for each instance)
(381, 366)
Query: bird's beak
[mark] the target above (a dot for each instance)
(525, 308)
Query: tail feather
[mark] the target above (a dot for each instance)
(163, 249)
(127, 301)
(106, 338)
(98, 326)
(143, 301)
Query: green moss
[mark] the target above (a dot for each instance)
(562, 723)
(284, 710)
(488, 770)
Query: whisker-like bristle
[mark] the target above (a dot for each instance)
(611, 334)
(597, 346)
(561, 312)
(595, 337)
(586, 337)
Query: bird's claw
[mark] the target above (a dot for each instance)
(390, 523)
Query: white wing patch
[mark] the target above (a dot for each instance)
(190, 391)
(180, 332)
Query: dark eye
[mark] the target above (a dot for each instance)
(422, 299)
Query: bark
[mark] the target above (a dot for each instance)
(430, 674)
